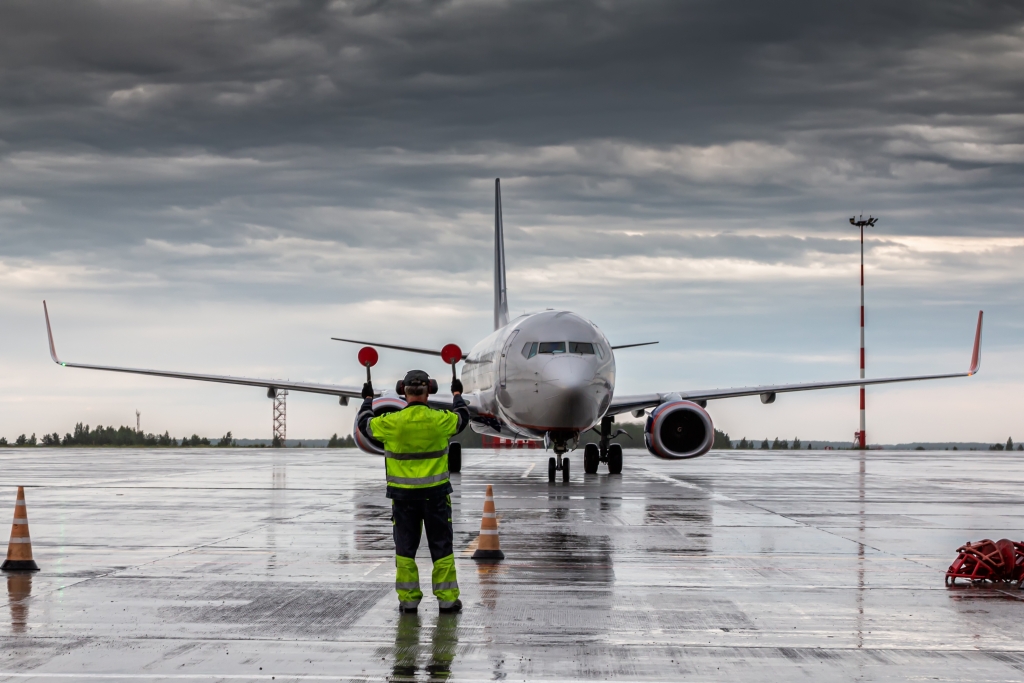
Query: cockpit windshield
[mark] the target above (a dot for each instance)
(551, 347)
(531, 349)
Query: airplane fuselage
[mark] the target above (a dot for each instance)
(547, 374)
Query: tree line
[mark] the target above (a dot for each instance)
(119, 437)
(128, 437)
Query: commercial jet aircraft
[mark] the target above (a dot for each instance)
(547, 376)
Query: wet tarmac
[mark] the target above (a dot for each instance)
(277, 565)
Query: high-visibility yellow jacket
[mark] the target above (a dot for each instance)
(415, 442)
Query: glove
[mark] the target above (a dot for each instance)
(367, 390)
(456, 386)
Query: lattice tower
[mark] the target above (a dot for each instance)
(280, 416)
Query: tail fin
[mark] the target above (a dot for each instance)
(500, 292)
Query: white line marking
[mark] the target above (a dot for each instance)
(373, 567)
(528, 470)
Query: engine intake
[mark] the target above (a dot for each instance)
(381, 406)
(679, 430)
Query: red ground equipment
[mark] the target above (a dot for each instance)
(999, 561)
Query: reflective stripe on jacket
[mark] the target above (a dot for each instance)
(416, 445)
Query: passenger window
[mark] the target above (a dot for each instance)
(530, 350)
(581, 347)
(551, 347)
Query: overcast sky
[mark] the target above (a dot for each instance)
(222, 186)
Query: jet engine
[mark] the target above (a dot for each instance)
(381, 406)
(678, 430)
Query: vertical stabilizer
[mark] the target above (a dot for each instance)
(500, 293)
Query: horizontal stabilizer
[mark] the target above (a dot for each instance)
(410, 349)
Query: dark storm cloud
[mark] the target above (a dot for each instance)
(424, 74)
(377, 125)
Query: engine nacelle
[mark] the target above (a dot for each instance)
(381, 406)
(678, 430)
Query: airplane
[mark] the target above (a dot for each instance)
(546, 376)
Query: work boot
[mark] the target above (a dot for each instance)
(449, 607)
(407, 609)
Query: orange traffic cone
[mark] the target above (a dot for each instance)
(488, 547)
(19, 552)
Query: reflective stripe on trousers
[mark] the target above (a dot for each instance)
(407, 581)
(443, 581)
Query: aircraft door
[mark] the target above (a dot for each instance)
(504, 354)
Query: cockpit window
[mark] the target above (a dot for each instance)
(530, 350)
(581, 347)
(551, 347)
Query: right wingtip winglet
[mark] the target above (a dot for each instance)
(49, 335)
(976, 356)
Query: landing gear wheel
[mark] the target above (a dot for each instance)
(615, 458)
(591, 457)
(551, 470)
(565, 470)
(455, 457)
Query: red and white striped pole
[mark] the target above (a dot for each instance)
(863, 422)
(862, 437)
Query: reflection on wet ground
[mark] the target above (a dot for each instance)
(19, 590)
(411, 658)
(278, 564)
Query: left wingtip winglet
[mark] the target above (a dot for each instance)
(49, 335)
(976, 356)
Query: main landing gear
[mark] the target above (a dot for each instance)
(610, 453)
(455, 457)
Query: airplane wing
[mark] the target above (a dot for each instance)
(269, 384)
(623, 404)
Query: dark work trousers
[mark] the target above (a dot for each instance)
(410, 516)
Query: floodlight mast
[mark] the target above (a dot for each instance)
(861, 436)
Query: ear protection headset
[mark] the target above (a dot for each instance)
(431, 387)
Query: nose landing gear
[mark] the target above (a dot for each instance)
(559, 462)
(556, 463)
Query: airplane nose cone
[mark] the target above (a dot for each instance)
(571, 391)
